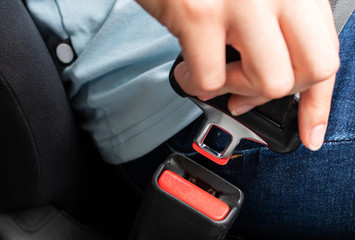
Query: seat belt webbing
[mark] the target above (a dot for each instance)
(342, 10)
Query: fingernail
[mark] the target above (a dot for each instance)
(316, 137)
(181, 71)
(206, 98)
(241, 110)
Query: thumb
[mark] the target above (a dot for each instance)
(314, 109)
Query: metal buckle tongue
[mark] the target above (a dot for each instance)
(274, 123)
(228, 125)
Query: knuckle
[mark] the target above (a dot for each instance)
(208, 85)
(196, 10)
(276, 87)
(323, 69)
(320, 107)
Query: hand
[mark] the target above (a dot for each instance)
(286, 47)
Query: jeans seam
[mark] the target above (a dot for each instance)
(339, 141)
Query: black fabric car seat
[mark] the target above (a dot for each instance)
(47, 165)
(40, 160)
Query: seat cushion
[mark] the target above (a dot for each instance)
(39, 157)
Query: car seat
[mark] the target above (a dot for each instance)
(49, 168)
(53, 184)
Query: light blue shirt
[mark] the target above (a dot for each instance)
(119, 82)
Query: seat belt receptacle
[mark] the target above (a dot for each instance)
(186, 201)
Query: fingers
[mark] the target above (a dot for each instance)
(310, 38)
(275, 61)
(266, 68)
(313, 45)
(327, 14)
(265, 71)
(240, 104)
(313, 113)
(285, 48)
(203, 44)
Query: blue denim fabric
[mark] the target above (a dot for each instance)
(302, 195)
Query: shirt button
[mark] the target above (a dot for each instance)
(65, 53)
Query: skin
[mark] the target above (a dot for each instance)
(286, 47)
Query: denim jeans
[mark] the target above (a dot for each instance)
(302, 195)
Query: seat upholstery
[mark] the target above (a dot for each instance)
(39, 157)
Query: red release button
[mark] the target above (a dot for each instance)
(192, 195)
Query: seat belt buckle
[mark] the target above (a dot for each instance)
(186, 201)
(274, 124)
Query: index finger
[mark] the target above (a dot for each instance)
(204, 53)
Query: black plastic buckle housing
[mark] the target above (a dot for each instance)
(165, 216)
(274, 123)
